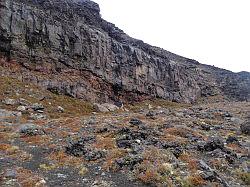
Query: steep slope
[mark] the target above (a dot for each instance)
(68, 48)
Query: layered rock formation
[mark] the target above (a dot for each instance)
(81, 55)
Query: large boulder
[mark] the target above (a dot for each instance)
(106, 107)
(245, 127)
(30, 129)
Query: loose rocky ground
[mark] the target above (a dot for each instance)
(54, 140)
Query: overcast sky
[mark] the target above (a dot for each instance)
(215, 32)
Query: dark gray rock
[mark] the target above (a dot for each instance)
(129, 161)
(135, 122)
(79, 147)
(205, 127)
(37, 107)
(232, 139)
(94, 154)
(211, 174)
(211, 145)
(245, 127)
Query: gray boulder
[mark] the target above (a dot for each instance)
(30, 129)
(106, 107)
(245, 127)
(8, 101)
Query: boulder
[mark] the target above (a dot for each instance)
(8, 101)
(30, 129)
(106, 107)
(245, 127)
(110, 107)
(135, 122)
(37, 116)
(100, 108)
(21, 108)
(37, 107)
(211, 145)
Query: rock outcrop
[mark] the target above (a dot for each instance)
(65, 46)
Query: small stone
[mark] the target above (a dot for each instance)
(136, 122)
(40, 183)
(83, 171)
(168, 168)
(10, 173)
(60, 175)
(232, 139)
(8, 101)
(236, 120)
(37, 116)
(123, 143)
(21, 108)
(60, 109)
(151, 114)
(205, 127)
(31, 129)
(23, 102)
(138, 141)
(150, 106)
(18, 114)
(37, 106)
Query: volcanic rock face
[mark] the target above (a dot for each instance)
(86, 57)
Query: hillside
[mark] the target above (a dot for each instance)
(70, 38)
(84, 104)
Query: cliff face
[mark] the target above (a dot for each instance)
(81, 55)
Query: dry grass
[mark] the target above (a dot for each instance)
(105, 143)
(176, 139)
(60, 158)
(155, 168)
(154, 103)
(237, 148)
(28, 179)
(36, 140)
(189, 159)
(14, 152)
(150, 174)
(195, 180)
(15, 89)
(4, 147)
(245, 177)
(113, 154)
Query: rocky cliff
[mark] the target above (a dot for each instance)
(65, 46)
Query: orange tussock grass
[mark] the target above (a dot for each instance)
(196, 180)
(105, 143)
(189, 159)
(62, 159)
